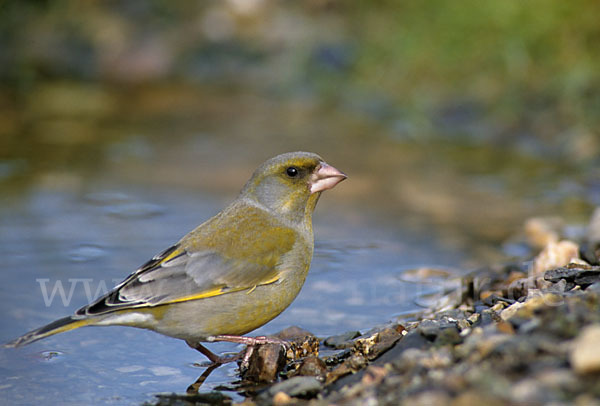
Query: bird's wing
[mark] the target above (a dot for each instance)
(195, 269)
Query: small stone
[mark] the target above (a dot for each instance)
(554, 255)
(498, 306)
(281, 398)
(590, 252)
(584, 356)
(437, 359)
(488, 316)
(302, 342)
(514, 275)
(526, 309)
(429, 398)
(265, 363)
(313, 366)
(430, 329)
(474, 318)
(463, 324)
(505, 327)
(342, 341)
(477, 347)
(378, 343)
(561, 286)
(557, 378)
(374, 375)
(571, 272)
(353, 364)
(296, 386)
(485, 294)
(293, 333)
(519, 288)
(527, 391)
(587, 278)
(386, 339)
(473, 398)
(448, 336)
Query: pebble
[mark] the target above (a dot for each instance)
(555, 255)
(265, 363)
(429, 398)
(295, 386)
(313, 366)
(585, 353)
(342, 340)
(281, 398)
(505, 327)
(511, 310)
(353, 364)
(576, 273)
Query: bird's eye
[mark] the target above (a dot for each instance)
(292, 171)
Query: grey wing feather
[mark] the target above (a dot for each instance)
(186, 274)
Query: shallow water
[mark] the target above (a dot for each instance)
(82, 213)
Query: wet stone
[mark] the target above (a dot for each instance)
(431, 329)
(351, 365)
(342, 340)
(338, 358)
(590, 252)
(313, 366)
(486, 318)
(412, 340)
(453, 314)
(585, 357)
(302, 342)
(554, 255)
(379, 342)
(577, 273)
(293, 333)
(298, 386)
(265, 363)
(448, 336)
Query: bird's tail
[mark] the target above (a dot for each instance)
(58, 326)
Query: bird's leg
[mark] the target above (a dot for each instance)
(212, 357)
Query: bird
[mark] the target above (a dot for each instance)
(231, 274)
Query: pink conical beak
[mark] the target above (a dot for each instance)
(325, 177)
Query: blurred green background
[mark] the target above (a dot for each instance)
(123, 124)
(434, 105)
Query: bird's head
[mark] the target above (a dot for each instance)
(290, 184)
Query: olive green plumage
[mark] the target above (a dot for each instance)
(231, 274)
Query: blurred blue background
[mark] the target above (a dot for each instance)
(123, 125)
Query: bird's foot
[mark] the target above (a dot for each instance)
(250, 341)
(244, 356)
(214, 358)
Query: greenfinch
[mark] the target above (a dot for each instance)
(230, 275)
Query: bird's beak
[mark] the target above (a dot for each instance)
(325, 177)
